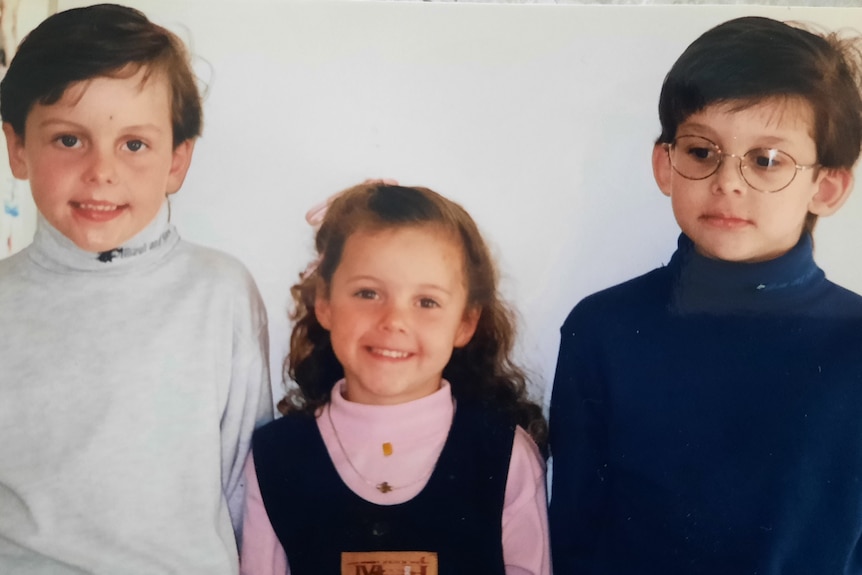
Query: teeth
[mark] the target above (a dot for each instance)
(98, 207)
(391, 353)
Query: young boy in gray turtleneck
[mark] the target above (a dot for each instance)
(134, 364)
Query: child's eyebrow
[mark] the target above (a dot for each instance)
(771, 140)
(763, 139)
(420, 287)
(143, 127)
(51, 122)
(64, 123)
(434, 288)
(694, 126)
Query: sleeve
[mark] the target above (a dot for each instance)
(578, 441)
(249, 403)
(525, 517)
(261, 552)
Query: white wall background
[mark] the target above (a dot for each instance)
(539, 119)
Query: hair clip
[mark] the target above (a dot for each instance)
(309, 269)
(314, 216)
(317, 213)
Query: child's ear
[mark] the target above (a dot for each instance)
(322, 309)
(15, 148)
(661, 168)
(468, 326)
(180, 162)
(832, 191)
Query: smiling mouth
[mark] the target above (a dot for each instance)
(96, 207)
(389, 353)
(98, 212)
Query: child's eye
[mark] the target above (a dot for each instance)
(700, 153)
(427, 302)
(135, 145)
(69, 141)
(765, 159)
(366, 294)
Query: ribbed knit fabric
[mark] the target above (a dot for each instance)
(706, 418)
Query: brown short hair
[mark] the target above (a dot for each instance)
(106, 40)
(753, 59)
(750, 60)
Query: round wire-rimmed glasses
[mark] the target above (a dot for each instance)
(766, 170)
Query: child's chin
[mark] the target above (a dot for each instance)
(98, 243)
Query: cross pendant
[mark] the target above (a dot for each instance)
(383, 487)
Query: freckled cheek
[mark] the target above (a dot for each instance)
(139, 168)
(48, 189)
(351, 329)
(53, 171)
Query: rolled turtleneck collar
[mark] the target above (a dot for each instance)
(704, 285)
(374, 423)
(54, 251)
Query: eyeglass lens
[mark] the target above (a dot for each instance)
(764, 169)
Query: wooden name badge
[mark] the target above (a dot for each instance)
(389, 563)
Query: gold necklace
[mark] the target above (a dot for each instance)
(383, 486)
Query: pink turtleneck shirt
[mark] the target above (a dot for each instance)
(416, 431)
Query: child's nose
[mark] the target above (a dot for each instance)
(102, 167)
(394, 317)
(728, 178)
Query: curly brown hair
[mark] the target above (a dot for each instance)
(483, 370)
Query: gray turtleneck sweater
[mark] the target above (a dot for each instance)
(129, 389)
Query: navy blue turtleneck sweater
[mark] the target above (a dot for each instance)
(706, 418)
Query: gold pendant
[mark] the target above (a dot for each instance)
(383, 487)
(387, 449)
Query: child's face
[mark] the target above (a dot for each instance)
(101, 160)
(396, 308)
(722, 214)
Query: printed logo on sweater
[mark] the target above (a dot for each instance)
(389, 563)
(128, 252)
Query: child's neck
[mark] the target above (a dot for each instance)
(57, 251)
(718, 286)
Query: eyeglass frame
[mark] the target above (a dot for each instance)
(798, 167)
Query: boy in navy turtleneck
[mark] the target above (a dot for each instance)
(706, 418)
